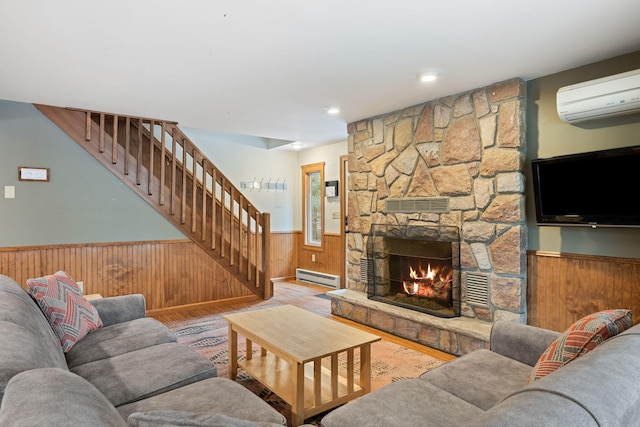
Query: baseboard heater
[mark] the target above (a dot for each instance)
(318, 278)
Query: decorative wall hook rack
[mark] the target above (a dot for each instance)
(262, 185)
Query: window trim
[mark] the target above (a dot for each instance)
(306, 171)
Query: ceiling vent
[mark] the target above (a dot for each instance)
(419, 205)
(595, 99)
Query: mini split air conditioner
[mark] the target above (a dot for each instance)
(609, 96)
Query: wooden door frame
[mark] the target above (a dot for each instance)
(343, 206)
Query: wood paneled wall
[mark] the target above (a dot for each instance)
(167, 273)
(562, 288)
(327, 259)
(284, 253)
(288, 253)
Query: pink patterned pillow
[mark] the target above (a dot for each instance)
(69, 314)
(581, 337)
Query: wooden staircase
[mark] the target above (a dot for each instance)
(157, 160)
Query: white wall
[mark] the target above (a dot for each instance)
(330, 154)
(244, 158)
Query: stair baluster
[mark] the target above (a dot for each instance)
(205, 196)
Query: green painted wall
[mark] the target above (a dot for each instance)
(548, 136)
(83, 202)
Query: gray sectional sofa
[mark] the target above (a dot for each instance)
(130, 370)
(488, 388)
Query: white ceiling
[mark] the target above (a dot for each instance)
(268, 68)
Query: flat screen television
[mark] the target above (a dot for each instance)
(598, 188)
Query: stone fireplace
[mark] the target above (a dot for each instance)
(453, 162)
(415, 268)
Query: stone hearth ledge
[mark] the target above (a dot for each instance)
(458, 335)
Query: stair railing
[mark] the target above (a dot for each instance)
(178, 179)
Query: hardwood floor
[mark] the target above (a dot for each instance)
(304, 295)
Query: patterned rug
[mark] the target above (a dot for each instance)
(208, 336)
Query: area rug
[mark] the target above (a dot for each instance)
(208, 336)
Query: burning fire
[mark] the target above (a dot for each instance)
(428, 283)
(429, 274)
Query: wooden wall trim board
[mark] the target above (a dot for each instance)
(203, 305)
(562, 288)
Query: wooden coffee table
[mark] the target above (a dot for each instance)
(294, 343)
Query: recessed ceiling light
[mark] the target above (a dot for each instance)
(332, 109)
(297, 145)
(428, 76)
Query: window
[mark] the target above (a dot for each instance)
(313, 204)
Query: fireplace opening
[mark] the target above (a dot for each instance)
(415, 268)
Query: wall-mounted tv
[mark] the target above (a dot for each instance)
(598, 188)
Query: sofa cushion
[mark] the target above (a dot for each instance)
(482, 378)
(118, 339)
(69, 314)
(536, 408)
(55, 397)
(411, 402)
(142, 373)
(212, 396)
(183, 418)
(580, 338)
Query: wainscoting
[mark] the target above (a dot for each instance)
(562, 288)
(167, 273)
(327, 260)
(284, 253)
(288, 253)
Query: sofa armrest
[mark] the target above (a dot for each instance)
(120, 309)
(520, 342)
(56, 397)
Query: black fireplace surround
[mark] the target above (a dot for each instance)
(415, 267)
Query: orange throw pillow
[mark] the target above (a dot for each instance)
(581, 337)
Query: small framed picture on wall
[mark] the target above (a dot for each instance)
(26, 173)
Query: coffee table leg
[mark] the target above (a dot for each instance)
(233, 353)
(365, 368)
(297, 406)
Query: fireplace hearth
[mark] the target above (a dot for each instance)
(415, 267)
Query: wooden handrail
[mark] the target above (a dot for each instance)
(202, 202)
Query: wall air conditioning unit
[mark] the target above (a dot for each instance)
(595, 99)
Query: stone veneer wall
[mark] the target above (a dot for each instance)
(468, 147)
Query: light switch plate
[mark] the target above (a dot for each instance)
(9, 192)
